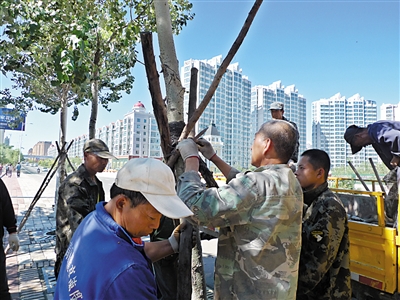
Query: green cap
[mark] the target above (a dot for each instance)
(98, 147)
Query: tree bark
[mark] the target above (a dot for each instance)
(160, 111)
(63, 131)
(169, 62)
(95, 107)
(94, 85)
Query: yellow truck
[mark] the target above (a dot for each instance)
(374, 244)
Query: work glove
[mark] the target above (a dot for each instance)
(176, 234)
(13, 241)
(205, 148)
(188, 148)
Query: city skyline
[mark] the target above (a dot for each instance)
(322, 47)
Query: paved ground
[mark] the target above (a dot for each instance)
(30, 270)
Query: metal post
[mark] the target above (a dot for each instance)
(358, 175)
(376, 175)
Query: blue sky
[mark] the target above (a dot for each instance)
(323, 47)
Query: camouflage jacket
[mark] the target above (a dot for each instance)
(77, 197)
(324, 272)
(295, 155)
(259, 218)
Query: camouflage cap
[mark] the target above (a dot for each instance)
(276, 106)
(97, 147)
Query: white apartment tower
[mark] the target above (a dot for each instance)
(229, 108)
(331, 117)
(294, 107)
(136, 135)
(390, 112)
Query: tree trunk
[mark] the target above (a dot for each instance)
(160, 111)
(169, 62)
(94, 85)
(174, 98)
(63, 131)
(95, 107)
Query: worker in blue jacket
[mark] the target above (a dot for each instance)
(384, 137)
(106, 258)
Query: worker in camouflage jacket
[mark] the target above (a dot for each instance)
(324, 272)
(78, 195)
(383, 136)
(258, 215)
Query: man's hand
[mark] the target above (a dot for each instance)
(188, 148)
(205, 148)
(395, 161)
(13, 241)
(176, 235)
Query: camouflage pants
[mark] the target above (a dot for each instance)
(392, 197)
(57, 264)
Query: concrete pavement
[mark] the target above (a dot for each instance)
(30, 270)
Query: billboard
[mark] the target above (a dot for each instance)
(9, 121)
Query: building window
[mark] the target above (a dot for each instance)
(138, 120)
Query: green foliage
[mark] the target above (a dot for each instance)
(55, 49)
(8, 155)
(365, 171)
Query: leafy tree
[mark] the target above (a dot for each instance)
(8, 155)
(67, 53)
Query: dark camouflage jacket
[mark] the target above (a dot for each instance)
(324, 272)
(7, 214)
(295, 155)
(259, 219)
(77, 197)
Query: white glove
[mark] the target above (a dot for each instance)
(13, 241)
(188, 148)
(205, 148)
(176, 234)
(174, 238)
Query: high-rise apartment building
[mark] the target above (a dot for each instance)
(229, 108)
(294, 107)
(390, 112)
(136, 135)
(331, 117)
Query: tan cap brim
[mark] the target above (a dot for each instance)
(170, 206)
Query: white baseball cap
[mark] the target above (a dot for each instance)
(156, 182)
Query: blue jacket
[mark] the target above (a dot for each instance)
(102, 262)
(386, 137)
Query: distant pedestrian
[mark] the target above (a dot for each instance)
(18, 168)
(106, 258)
(324, 272)
(78, 195)
(277, 111)
(8, 221)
